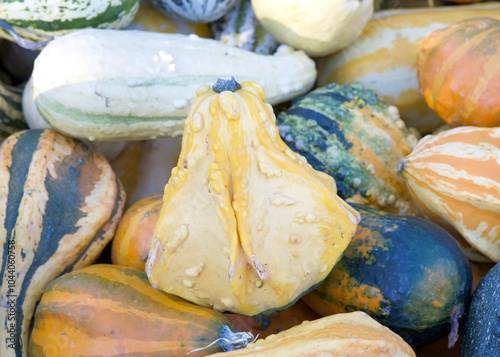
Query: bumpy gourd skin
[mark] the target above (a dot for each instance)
(246, 224)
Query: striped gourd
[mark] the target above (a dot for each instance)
(107, 310)
(11, 113)
(201, 11)
(241, 28)
(454, 178)
(459, 72)
(149, 18)
(37, 20)
(133, 85)
(348, 334)
(385, 55)
(351, 135)
(60, 203)
(131, 243)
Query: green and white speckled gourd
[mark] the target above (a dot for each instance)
(201, 11)
(241, 28)
(348, 133)
(36, 20)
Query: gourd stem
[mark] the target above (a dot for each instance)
(30, 45)
(226, 84)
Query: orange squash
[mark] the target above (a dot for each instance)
(453, 178)
(458, 72)
(130, 246)
(107, 310)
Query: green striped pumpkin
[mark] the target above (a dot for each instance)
(351, 135)
(108, 310)
(60, 203)
(11, 112)
(241, 28)
(200, 11)
(36, 20)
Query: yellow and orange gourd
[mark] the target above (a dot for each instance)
(459, 70)
(453, 178)
(246, 225)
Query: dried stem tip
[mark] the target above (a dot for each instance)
(226, 84)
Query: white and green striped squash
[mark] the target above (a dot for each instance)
(384, 57)
(133, 85)
(37, 20)
(60, 203)
(200, 11)
(241, 28)
(11, 114)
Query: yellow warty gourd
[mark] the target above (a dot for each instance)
(246, 224)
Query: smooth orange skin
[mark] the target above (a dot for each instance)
(130, 246)
(459, 72)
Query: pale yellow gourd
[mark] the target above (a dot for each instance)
(246, 224)
(318, 27)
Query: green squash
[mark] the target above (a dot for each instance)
(406, 272)
(348, 133)
(481, 329)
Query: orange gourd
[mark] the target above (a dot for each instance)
(130, 246)
(459, 70)
(453, 178)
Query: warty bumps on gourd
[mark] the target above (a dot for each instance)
(246, 225)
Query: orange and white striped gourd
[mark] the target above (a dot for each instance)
(454, 179)
(246, 224)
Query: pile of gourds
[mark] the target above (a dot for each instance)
(252, 177)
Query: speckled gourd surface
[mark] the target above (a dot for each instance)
(246, 224)
(348, 133)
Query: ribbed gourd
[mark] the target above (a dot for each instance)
(458, 72)
(348, 133)
(60, 202)
(246, 224)
(454, 179)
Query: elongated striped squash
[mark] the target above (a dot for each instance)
(246, 225)
(385, 55)
(202, 11)
(348, 334)
(348, 133)
(406, 272)
(131, 243)
(134, 85)
(37, 20)
(241, 28)
(149, 18)
(107, 310)
(60, 203)
(11, 113)
(453, 177)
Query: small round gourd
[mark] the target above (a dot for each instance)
(458, 72)
(199, 11)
